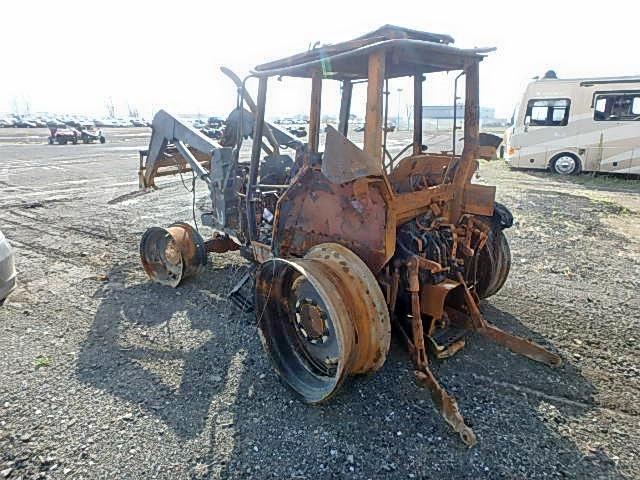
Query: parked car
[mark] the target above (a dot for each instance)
(63, 135)
(106, 123)
(7, 122)
(90, 135)
(215, 133)
(7, 269)
(56, 122)
(40, 123)
(119, 123)
(215, 122)
(137, 122)
(22, 123)
(297, 131)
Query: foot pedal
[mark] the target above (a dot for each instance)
(447, 342)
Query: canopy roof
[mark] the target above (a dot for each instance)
(408, 52)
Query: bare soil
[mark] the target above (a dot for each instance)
(105, 375)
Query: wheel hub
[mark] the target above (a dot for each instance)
(311, 321)
(565, 164)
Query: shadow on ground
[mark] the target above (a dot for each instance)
(145, 335)
(379, 426)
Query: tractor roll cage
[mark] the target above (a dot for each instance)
(388, 52)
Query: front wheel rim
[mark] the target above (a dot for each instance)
(565, 164)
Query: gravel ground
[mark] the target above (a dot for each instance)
(104, 375)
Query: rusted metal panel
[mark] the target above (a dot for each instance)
(343, 161)
(419, 171)
(479, 199)
(314, 210)
(408, 206)
(432, 297)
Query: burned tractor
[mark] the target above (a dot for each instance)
(347, 243)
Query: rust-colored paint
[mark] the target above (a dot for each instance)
(373, 115)
(314, 211)
(171, 255)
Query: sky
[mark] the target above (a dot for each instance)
(167, 54)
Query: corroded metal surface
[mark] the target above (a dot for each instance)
(171, 255)
(313, 364)
(365, 301)
(314, 211)
(321, 318)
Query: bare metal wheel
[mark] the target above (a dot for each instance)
(170, 255)
(566, 164)
(321, 318)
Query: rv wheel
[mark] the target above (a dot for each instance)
(566, 164)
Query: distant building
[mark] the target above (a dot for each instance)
(445, 112)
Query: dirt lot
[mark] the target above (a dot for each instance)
(104, 375)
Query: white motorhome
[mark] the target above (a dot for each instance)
(573, 125)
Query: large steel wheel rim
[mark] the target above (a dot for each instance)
(314, 330)
(321, 318)
(370, 314)
(304, 327)
(565, 165)
(171, 255)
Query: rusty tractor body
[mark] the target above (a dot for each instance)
(347, 244)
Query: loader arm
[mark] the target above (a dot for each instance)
(167, 129)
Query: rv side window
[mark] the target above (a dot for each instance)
(617, 107)
(548, 112)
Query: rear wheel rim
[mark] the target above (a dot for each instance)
(304, 327)
(321, 318)
(315, 332)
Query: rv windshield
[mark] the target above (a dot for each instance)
(547, 112)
